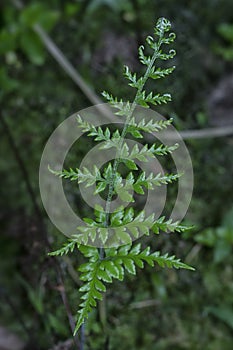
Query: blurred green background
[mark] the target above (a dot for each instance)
(157, 309)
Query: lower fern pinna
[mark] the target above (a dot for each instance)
(114, 231)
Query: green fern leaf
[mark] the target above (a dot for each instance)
(168, 226)
(158, 73)
(151, 126)
(67, 248)
(158, 99)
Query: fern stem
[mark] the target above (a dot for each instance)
(101, 253)
(82, 336)
(123, 134)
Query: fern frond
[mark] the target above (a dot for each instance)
(121, 227)
(84, 175)
(151, 126)
(158, 73)
(138, 257)
(67, 248)
(143, 154)
(158, 99)
(71, 174)
(90, 290)
(164, 149)
(96, 273)
(124, 226)
(143, 180)
(168, 226)
(135, 129)
(90, 177)
(152, 180)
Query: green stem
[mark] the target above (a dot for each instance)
(116, 163)
(124, 132)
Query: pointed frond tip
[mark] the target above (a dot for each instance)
(71, 174)
(68, 247)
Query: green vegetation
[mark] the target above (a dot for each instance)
(160, 308)
(121, 226)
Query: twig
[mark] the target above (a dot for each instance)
(144, 303)
(204, 133)
(193, 253)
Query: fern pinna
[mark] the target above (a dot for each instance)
(116, 230)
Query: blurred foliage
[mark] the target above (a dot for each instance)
(219, 238)
(160, 311)
(18, 34)
(226, 51)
